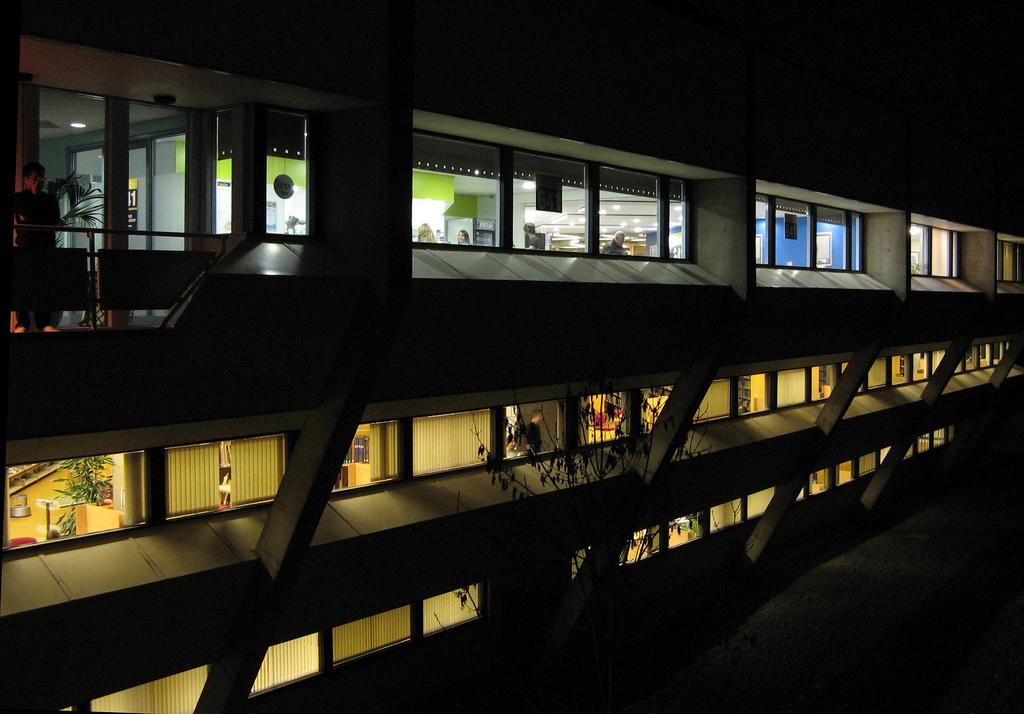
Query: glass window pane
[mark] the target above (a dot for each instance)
(715, 404)
(726, 514)
(49, 500)
(176, 694)
(830, 234)
(900, 374)
(454, 192)
(287, 192)
(287, 662)
(984, 355)
(824, 379)
(791, 387)
(642, 544)
(452, 608)
(792, 240)
(844, 473)
(684, 529)
(818, 482)
(866, 463)
(449, 441)
(752, 393)
(652, 401)
(156, 174)
(534, 428)
(924, 442)
(757, 503)
(603, 417)
(223, 474)
(971, 358)
(678, 244)
(371, 633)
(876, 375)
(549, 203)
(920, 365)
(1006, 255)
(71, 141)
(940, 254)
(918, 248)
(227, 141)
(628, 213)
(372, 456)
(939, 437)
(761, 232)
(856, 238)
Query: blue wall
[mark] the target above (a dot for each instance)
(838, 243)
(787, 250)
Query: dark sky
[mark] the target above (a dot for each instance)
(953, 64)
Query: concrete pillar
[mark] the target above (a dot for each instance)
(886, 250)
(723, 241)
(978, 260)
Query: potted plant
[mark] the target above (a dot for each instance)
(88, 483)
(81, 204)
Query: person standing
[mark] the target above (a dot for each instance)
(33, 206)
(534, 240)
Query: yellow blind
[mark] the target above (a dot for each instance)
(383, 450)
(725, 515)
(716, 401)
(192, 479)
(177, 694)
(256, 468)
(288, 661)
(447, 609)
(371, 633)
(449, 440)
(758, 502)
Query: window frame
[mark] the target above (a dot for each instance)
(592, 168)
(768, 244)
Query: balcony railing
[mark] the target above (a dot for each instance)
(108, 283)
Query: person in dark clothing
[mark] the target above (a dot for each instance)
(534, 240)
(616, 247)
(34, 206)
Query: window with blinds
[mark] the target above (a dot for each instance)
(452, 608)
(371, 633)
(222, 474)
(372, 456)
(449, 441)
(176, 694)
(287, 662)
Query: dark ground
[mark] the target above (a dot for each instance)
(925, 615)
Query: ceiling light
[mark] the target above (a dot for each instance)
(529, 185)
(602, 212)
(77, 125)
(636, 220)
(616, 207)
(678, 208)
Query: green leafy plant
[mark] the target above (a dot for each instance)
(87, 484)
(81, 204)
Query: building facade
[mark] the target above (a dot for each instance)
(372, 320)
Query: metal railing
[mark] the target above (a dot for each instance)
(95, 313)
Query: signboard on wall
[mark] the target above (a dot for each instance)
(133, 204)
(549, 193)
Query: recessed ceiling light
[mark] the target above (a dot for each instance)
(77, 125)
(529, 185)
(616, 207)
(602, 212)
(636, 220)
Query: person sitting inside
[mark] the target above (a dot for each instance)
(33, 206)
(534, 240)
(463, 237)
(616, 246)
(425, 234)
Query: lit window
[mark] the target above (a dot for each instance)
(372, 456)
(287, 662)
(642, 544)
(751, 393)
(371, 633)
(449, 441)
(684, 529)
(454, 192)
(726, 514)
(533, 428)
(628, 213)
(549, 203)
(447, 610)
(49, 500)
(792, 387)
(757, 503)
(715, 404)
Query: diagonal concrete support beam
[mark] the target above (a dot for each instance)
(936, 383)
(828, 418)
(670, 429)
(294, 516)
(982, 428)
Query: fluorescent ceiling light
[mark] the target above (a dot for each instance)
(529, 185)
(77, 125)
